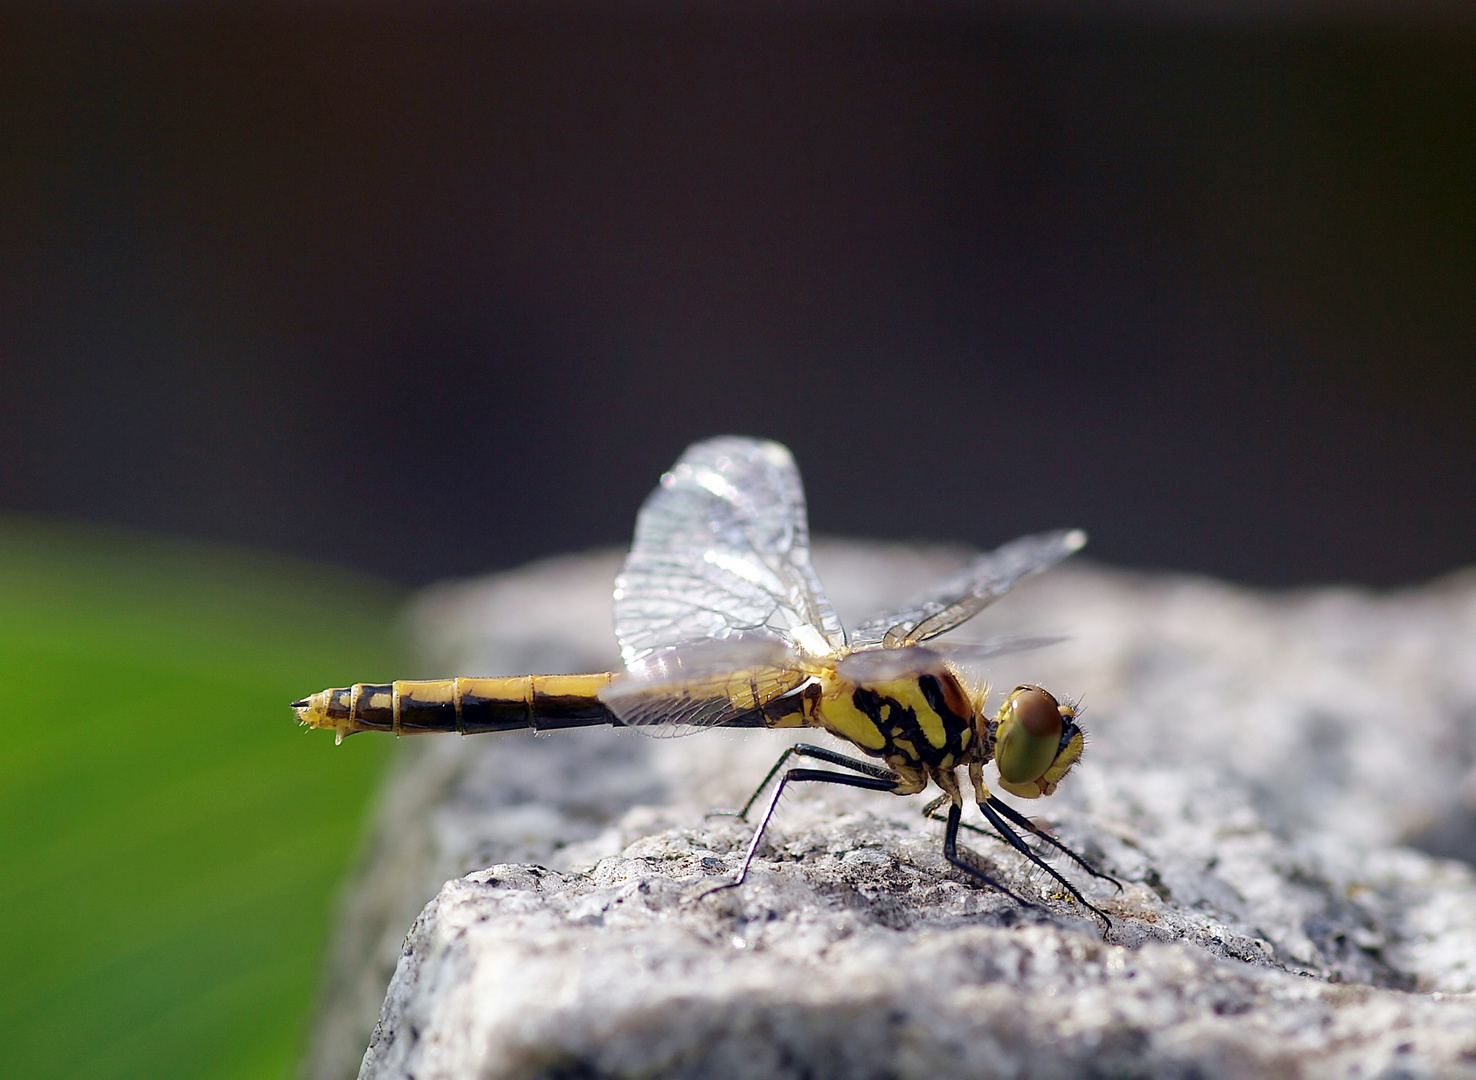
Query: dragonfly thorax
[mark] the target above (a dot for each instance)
(921, 722)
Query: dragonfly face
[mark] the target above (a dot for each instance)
(1036, 742)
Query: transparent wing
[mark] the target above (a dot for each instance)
(703, 684)
(959, 597)
(976, 652)
(722, 547)
(884, 665)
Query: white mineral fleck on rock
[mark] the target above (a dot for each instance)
(1259, 766)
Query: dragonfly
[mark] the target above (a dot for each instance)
(722, 622)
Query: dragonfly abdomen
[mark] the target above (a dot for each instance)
(468, 706)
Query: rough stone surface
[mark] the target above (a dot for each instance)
(1262, 773)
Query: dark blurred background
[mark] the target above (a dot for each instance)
(434, 292)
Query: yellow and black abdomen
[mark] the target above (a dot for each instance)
(463, 705)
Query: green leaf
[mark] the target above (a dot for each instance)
(169, 840)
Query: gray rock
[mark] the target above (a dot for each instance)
(1259, 768)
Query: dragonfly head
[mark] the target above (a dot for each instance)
(1036, 742)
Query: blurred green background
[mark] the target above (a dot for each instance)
(170, 842)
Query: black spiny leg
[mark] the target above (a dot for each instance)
(1025, 823)
(1013, 839)
(872, 783)
(931, 813)
(820, 753)
(1020, 820)
(950, 852)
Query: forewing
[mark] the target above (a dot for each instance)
(722, 548)
(959, 597)
(976, 652)
(704, 684)
(886, 665)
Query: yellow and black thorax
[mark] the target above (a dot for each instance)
(913, 720)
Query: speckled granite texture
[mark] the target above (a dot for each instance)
(1262, 773)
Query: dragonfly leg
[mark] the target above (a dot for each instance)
(871, 783)
(1025, 823)
(931, 812)
(820, 753)
(1013, 839)
(950, 852)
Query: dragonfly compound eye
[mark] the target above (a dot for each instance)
(1028, 736)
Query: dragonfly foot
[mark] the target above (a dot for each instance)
(709, 891)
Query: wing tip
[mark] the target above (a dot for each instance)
(1074, 540)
